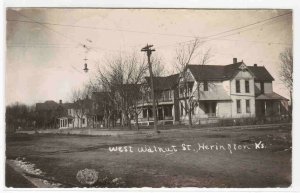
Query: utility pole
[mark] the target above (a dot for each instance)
(149, 51)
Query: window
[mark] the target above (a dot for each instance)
(181, 109)
(262, 87)
(145, 113)
(206, 108)
(237, 86)
(150, 114)
(247, 90)
(181, 90)
(205, 86)
(168, 111)
(238, 106)
(83, 120)
(248, 106)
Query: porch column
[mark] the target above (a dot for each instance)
(265, 108)
(163, 112)
(148, 114)
(217, 109)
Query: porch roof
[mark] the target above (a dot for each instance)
(270, 96)
(66, 117)
(217, 92)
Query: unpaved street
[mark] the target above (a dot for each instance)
(183, 158)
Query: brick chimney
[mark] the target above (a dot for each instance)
(60, 102)
(234, 60)
(255, 65)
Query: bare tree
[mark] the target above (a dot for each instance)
(286, 70)
(80, 106)
(184, 55)
(122, 72)
(157, 65)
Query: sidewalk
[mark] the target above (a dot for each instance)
(107, 132)
(15, 179)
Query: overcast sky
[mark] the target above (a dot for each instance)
(45, 62)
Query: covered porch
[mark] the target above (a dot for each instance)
(66, 122)
(213, 103)
(164, 114)
(271, 104)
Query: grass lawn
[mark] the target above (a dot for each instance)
(268, 165)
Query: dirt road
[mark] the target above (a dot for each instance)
(183, 158)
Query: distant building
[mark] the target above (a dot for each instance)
(78, 114)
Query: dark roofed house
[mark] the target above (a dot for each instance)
(164, 83)
(219, 91)
(166, 96)
(232, 91)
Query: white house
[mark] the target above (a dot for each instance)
(231, 91)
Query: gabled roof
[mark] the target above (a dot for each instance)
(207, 72)
(220, 73)
(261, 73)
(164, 83)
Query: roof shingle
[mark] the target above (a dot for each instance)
(164, 83)
(220, 73)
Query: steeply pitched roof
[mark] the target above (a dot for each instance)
(219, 73)
(164, 83)
(261, 73)
(207, 72)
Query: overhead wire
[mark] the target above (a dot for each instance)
(44, 24)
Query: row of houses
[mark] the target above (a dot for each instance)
(217, 91)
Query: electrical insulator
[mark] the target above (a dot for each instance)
(85, 68)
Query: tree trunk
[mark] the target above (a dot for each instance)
(291, 110)
(190, 119)
(136, 115)
(128, 120)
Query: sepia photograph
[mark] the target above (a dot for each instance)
(158, 98)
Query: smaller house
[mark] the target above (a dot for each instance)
(77, 115)
(65, 120)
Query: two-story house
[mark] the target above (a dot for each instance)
(230, 91)
(166, 97)
(78, 115)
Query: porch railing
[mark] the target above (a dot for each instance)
(211, 114)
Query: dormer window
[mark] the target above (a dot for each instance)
(205, 85)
